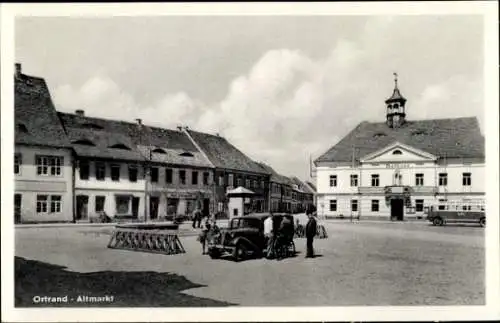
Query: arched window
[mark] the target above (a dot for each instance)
(397, 152)
(119, 146)
(379, 135)
(84, 142)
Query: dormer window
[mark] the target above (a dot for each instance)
(21, 127)
(419, 133)
(84, 142)
(159, 151)
(186, 154)
(119, 146)
(397, 152)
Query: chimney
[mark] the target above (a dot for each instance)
(139, 121)
(18, 69)
(80, 113)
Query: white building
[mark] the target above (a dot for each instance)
(398, 168)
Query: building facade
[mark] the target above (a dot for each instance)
(399, 168)
(43, 157)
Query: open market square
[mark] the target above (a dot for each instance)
(360, 263)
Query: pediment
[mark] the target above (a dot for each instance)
(398, 152)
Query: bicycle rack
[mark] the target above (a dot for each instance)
(146, 239)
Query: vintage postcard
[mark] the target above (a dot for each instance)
(244, 162)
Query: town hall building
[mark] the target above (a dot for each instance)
(398, 168)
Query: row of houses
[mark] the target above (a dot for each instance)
(70, 167)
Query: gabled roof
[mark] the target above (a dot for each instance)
(223, 154)
(450, 138)
(36, 119)
(311, 186)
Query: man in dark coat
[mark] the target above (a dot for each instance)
(311, 230)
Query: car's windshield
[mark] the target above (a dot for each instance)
(245, 223)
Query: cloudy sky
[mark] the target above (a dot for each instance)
(279, 88)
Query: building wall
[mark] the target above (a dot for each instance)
(29, 184)
(430, 192)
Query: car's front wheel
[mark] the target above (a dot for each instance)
(482, 222)
(240, 252)
(437, 221)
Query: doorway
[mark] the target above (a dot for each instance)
(397, 211)
(154, 202)
(135, 206)
(206, 207)
(82, 207)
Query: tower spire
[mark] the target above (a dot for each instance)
(395, 106)
(395, 80)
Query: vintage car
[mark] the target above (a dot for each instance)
(244, 237)
(457, 212)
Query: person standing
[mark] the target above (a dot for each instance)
(311, 230)
(268, 233)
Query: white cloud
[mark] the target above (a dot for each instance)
(289, 105)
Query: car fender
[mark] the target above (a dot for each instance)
(245, 241)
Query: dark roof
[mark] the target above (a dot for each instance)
(450, 138)
(396, 96)
(141, 139)
(312, 186)
(35, 116)
(275, 176)
(303, 186)
(222, 154)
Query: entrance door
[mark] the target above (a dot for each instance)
(397, 209)
(17, 208)
(206, 207)
(82, 207)
(154, 202)
(135, 206)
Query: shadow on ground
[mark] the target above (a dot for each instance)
(140, 289)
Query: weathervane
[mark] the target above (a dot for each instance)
(395, 79)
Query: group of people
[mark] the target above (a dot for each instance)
(209, 230)
(285, 232)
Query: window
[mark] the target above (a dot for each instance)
(154, 174)
(333, 205)
(375, 180)
(333, 180)
(397, 152)
(122, 204)
(115, 172)
(182, 177)
(194, 178)
(238, 182)
(17, 163)
(186, 154)
(49, 165)
(206, 177)
(159, 151)
(443, 179)
(247, 183)
(262, 184)
(169, 175)
(255, 183)
(84, 169)
(354, 180)
(100, 171)
(419, 179)
(230, 180)
(375, 207)
(83, 142)
(17, 205)
(221, 180)
(41, 203)
(132, 173)
(55, 203)
(442, 204)
(119, 146)
(354, 205)
(99, 203)
(419, 205)
(466, 179)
